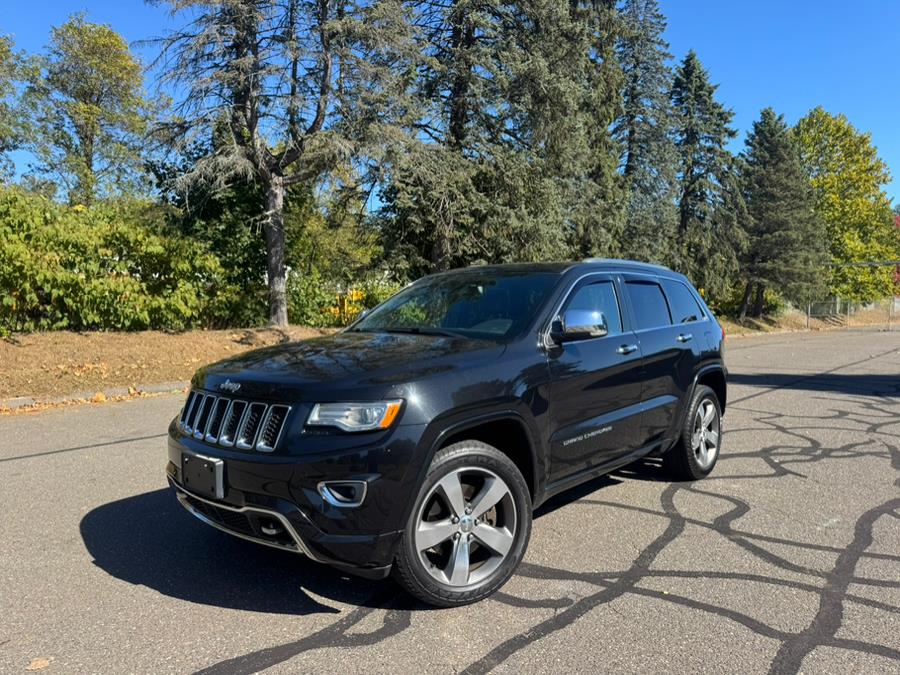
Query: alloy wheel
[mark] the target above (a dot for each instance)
(705, 435)
(466, 527)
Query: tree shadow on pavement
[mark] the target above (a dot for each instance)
(150, 540)
(865, 384)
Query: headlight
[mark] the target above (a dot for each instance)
(363, 416)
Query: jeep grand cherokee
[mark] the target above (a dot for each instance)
(419, 439)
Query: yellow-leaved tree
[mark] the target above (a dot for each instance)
(847, 178)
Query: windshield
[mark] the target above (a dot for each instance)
(487, 305)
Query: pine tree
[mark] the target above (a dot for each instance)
(510, 156)
(598, 213)
(648, 159)
(701, 133)
(786, 240)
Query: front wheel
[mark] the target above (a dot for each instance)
(468, 529)
(697, 450)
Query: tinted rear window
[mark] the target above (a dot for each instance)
(649, 303)
(682, 302)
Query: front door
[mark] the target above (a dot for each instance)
(595, 386)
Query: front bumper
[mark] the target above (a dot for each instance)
(273, 499)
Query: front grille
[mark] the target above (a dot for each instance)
(220, 420)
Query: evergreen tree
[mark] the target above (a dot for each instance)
(511, 156)
(786, 248)
(648, 159)
(599, 213)
(701, 133)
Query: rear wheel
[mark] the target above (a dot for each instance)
(468, 529)
(697, 450)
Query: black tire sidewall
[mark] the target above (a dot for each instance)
(464, 454)
(680, 460)
(701, 393)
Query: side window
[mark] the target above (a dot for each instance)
(649, 303)
(682, 302)
(599, 297)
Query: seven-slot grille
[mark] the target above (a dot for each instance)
(233, 423)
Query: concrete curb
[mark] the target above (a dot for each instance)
(87, 396)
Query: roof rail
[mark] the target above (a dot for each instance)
(625, 263)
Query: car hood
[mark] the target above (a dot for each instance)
(366, 365)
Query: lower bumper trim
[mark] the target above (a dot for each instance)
(297, 545)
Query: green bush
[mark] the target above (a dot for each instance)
(109, 266)
(314, 301)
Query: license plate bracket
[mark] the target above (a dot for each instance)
(204, 476)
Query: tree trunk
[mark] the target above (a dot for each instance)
(745, 302)
(759, 302)
(274, 230)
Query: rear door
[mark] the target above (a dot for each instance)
(595, 385)
(667, 350)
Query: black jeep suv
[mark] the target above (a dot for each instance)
(420, 438)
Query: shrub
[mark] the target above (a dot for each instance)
(314, 301)
(108, 266)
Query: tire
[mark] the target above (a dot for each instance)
(695, 454)
(460, 567)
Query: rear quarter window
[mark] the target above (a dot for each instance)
(683, 304)
(649, 304)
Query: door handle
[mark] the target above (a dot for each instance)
(627, 349)
(684, 337)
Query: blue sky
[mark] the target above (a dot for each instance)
(793, 55)
(789, 54)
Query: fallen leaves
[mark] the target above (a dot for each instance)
(39, 663)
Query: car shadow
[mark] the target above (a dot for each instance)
(150, 540)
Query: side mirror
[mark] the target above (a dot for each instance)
(579, 324)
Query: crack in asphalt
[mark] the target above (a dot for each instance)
(120, 441)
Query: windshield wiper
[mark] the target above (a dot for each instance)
(422, 330)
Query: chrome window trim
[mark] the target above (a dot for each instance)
(545, 340)
(656, 278)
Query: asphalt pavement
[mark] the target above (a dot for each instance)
(786, 559)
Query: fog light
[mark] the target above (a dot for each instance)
(343, 493)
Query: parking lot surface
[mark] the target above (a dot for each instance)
(786, 559)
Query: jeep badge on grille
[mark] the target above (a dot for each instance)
(228, 385)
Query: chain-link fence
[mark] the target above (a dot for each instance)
(839, 313)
